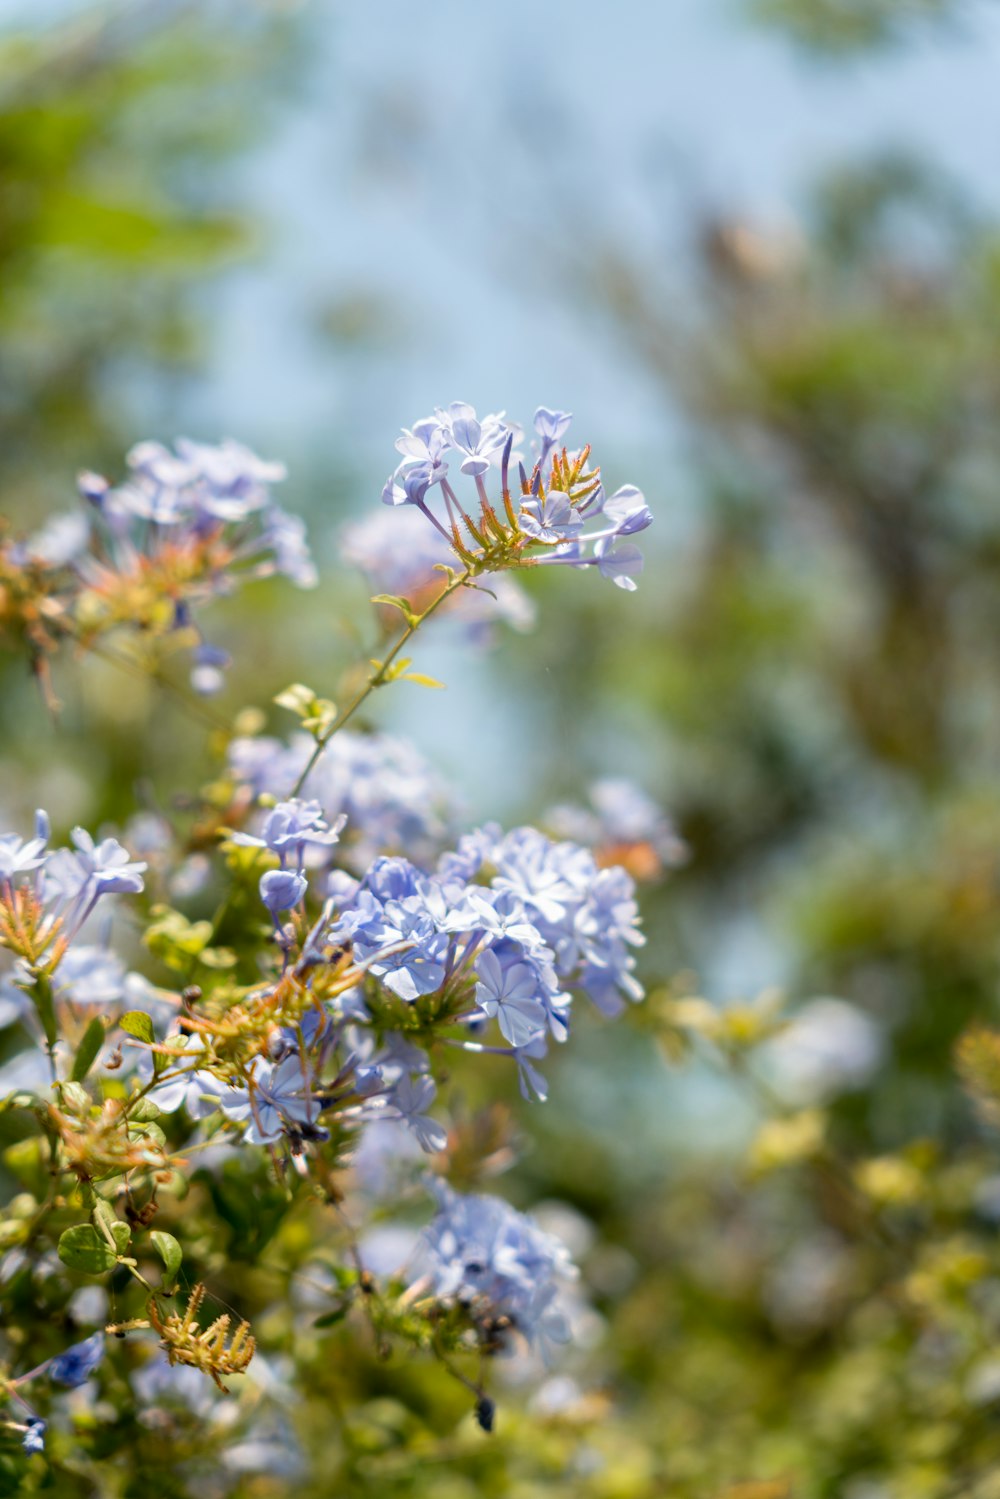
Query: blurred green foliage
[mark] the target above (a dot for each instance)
(845, 27)
(115, 132)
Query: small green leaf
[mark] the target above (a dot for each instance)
(104, 1213)
(144, 1111)
(330, 1319)
(298, 698)
(217, 957)
(138, 1024)
(82, 1248)
(170, 1253)
(86, 1056)
(394, 601)
(107, 1224)
(422, 680)
(41, 993)
(76, 1097)
(396, 669)
(481, 588)
(27, 1161)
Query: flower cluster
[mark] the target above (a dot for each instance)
(542, 520)
(184, 526)
(499, 1266)
(392, 799)
(502, 930)
(362, 945)
(46, 896)
(623, 826)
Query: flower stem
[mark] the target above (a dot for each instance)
(379, 677)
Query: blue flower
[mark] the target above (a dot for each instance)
(20, 856)
(424, 442)
(198, 1091)
(284, 535)
(280, 1096)
(204, 512)
(90, 975)
(551, 427)
(207, 671)
(401, 945)
(628, 510)
(480, 442)
(618, 561)
(388, 792)
(33, 1440)
(510, 992)
(281, 889)
(556, 500)
(411, 481)
(290, 827)
(413, 1096)
(497, 1262)
(622, 815)
(77, 1364)
(68, 882)
(106, 865)
(550, 518)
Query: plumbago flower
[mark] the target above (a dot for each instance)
(361, 948)
(184, 527)
(623, 826)
(46, 896)
(538, 517)
(482, 1254)
(392, 799)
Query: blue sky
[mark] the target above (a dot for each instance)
(462, 110)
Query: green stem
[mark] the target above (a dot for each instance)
(379, 677)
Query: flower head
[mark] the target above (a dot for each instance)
(542, 523)
(499, 1264)
(77, 1364)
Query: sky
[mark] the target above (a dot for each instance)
(429, 154)
(409, 172)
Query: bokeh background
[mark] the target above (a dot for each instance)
(755, 249)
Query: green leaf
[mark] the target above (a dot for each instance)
(144, 1111)
(217, 957)
(76, 1097)
(106, 1223)
(83, 1248)
(41, 993)
(394, 601)
(138, 1024)
(25, 1160)
(330, 1319)
(298, 698)
(422, 680)
(86, 1056)
(170, 1253)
